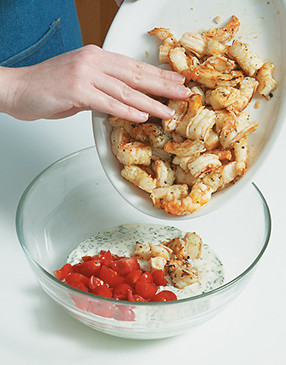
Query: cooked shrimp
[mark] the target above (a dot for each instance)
(220, 177)
(139, 177)
(199, 196)
(185, 148)
(161, 33)
(164, 174)
(168, 193)
(119, 137)
(160, 154)
(168, 44)
(241, 153)
(188, 248)
(161, 250)
(180, 108)
(222, 154)
(197, 122)
(142, 251)
(212, 141)
(149, 132)
(183, 161)
(182, 273)
(194, 43)
(211, 78)
(182, 64)
(215, 48)
(226, 33)
(157, 263)
(196, 89)
(184, 177)
(267, 84)
(203, 164)
(247, 89)
(233, 132)
(223, 117)
(220, 64)
(247, 60)
(221, 97)
(134, 153)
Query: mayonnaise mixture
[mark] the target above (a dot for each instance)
(120, 240)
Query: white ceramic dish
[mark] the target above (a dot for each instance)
(263, 27)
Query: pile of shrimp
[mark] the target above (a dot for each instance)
(203, 148)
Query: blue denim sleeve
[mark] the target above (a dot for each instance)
(33, 31)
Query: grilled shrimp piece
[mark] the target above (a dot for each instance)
(134, 153)
(185, 148)
(182, 273)
(119, 137)
(241, 153)
(222, 97)
(137, 176)
(199, 196)
(180, 108)
(189, 247)
(223, 117)
(157, 263)
(233, 132)
(267, 84)
(179, 62)
(198, 121)
(160, 154)
(247, 60)
(184, 177)
(183, 161)
(169, 42)
(211, 78)
(215, 48)
(168, 193)
(212, 141)
(142, 251)
(203, 164)
(165, 176)
(220, 64)
(119, 122)
(223, 154)
(222, 176)
(161, 250)
(151, 133)
(247, 89)
(194, 43)
(198, 90)
(226, 33)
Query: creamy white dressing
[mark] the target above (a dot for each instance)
(120, 240)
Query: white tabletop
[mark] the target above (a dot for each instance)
(34, 330)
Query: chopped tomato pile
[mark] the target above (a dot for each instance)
(111, 276)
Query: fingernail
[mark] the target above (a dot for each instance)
(184, 91)
(178, 77)
(168, 111)
(144, 116)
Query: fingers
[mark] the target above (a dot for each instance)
(125, 94)
(98, 100)
(144, 77)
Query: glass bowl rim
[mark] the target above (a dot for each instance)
(219, 289)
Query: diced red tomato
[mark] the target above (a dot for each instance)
(110, 276)
(133, 276)
(94, 282)
(62, 273)
(146, 277)
(88, 268)
(159, 277)
(103, 291)
(124, 266)
(145, 289)
(120, 291)
(77, 281)
(86, 258)
(135, 297)
(164, 296)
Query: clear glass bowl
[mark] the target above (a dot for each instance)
(72, 200)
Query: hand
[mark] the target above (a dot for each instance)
(89, 78)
